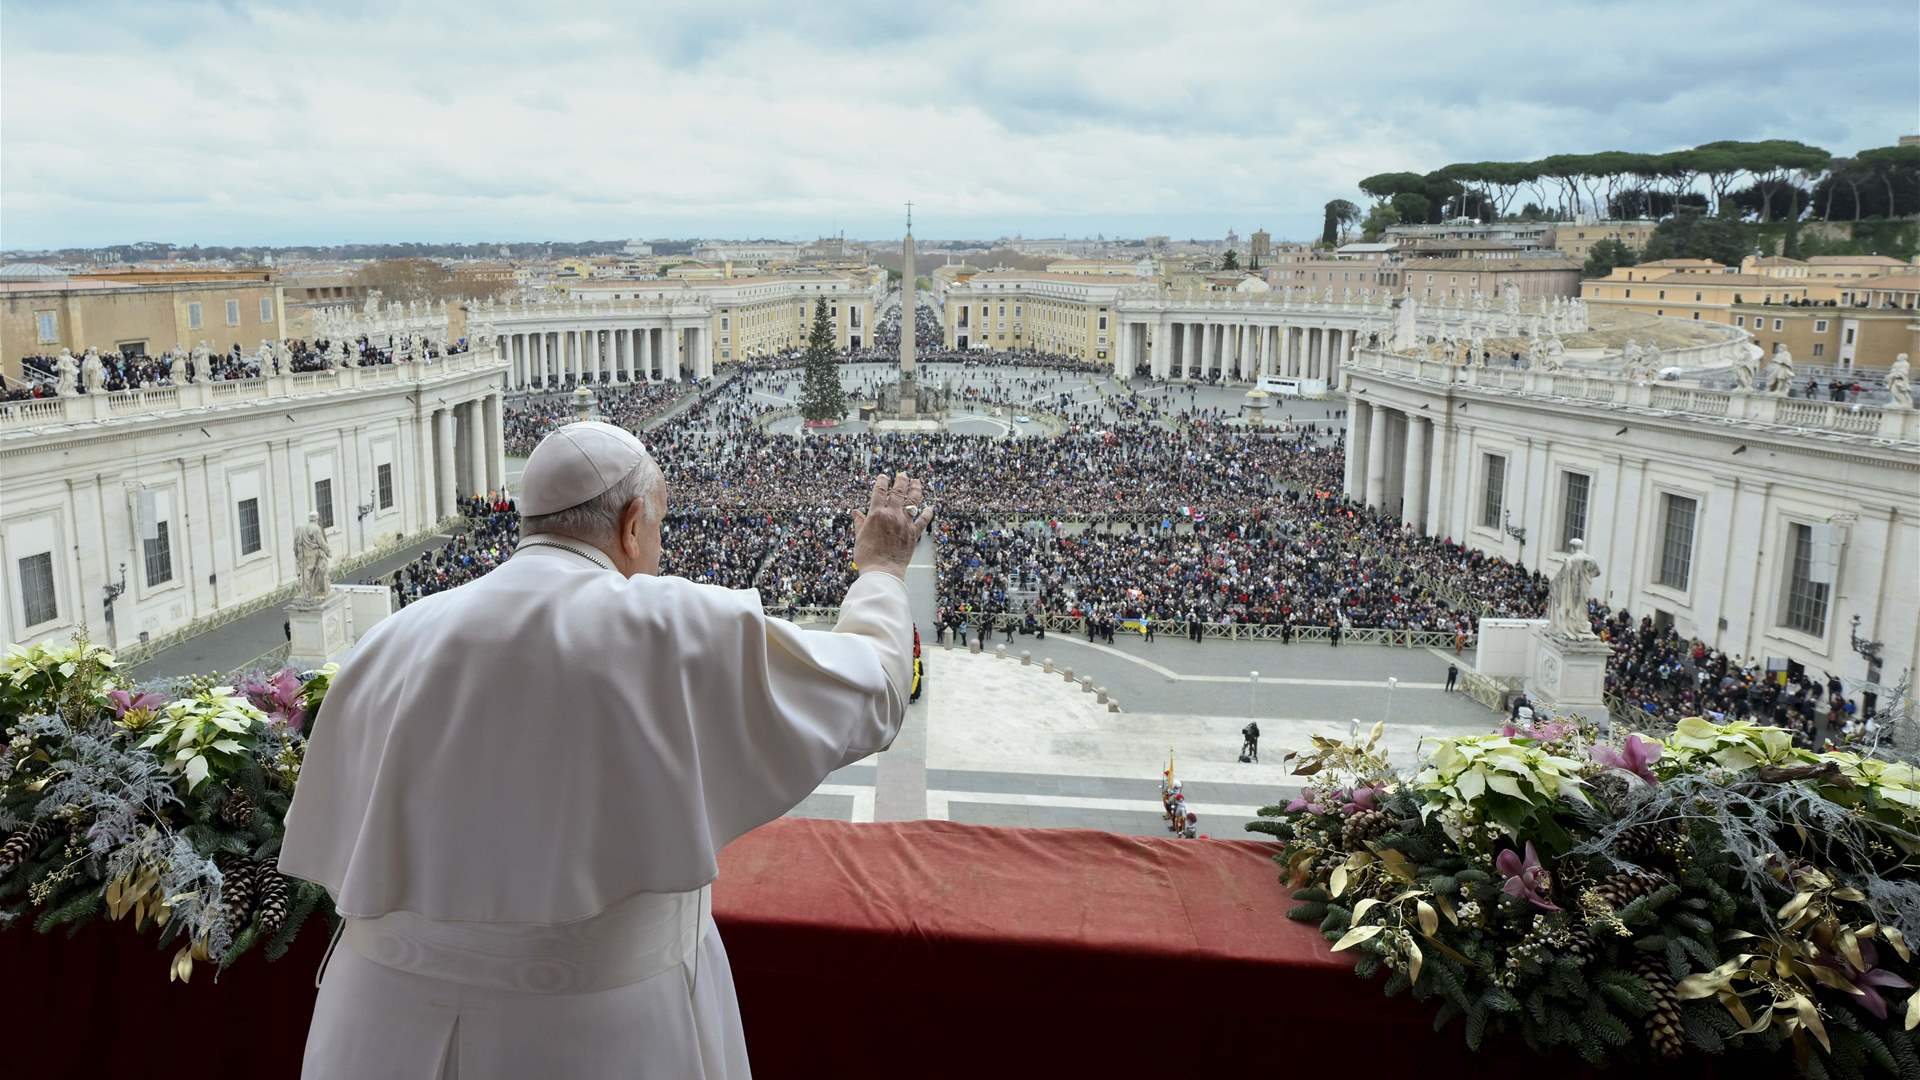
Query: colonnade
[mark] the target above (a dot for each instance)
(610, 354)
(1173, 348)
(1390, 461)
(462, 453)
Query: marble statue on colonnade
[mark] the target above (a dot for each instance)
(311, 555)
(1552, 352)
(94, 371)
(1568, 592)
(1405, 336)
(177, 365)
(65, 374)
(1745, 371)
(1899, 384)
(1780, 373)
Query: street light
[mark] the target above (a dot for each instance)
(1391, 683)
(1253, 694)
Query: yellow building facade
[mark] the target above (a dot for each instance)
(141, 314)
(1063, 314)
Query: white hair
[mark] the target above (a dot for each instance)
(597, 521)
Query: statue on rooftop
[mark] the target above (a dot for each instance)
(93, 371)
(65, 373)
(1552, 353)
(1780, 373)
(1745, 370)
(1510, 296)
(1898, 384)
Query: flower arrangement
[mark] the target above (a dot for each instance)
(165, 804)
(1719, 891)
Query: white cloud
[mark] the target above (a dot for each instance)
(225, 123)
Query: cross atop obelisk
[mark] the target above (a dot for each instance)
(909, 302)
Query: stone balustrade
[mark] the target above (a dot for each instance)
(120, 405)
(1611, 390)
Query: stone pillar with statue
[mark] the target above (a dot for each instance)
(1566, 660)
(319, 623)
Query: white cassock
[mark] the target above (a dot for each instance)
(514, 794)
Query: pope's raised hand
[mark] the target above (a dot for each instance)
(884, 534)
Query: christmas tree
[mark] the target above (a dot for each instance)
(821, 396)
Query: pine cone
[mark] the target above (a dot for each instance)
(271, 890)
(236, 889)
(1619, 890)
(21, 846)
(1580, 944)
(1363, 827)
(1648, 842)
(1609, 789)
(238, 810)
(1664, 1024)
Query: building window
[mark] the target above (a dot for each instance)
(266, 309)
(36, 589)
(233, 313)
(1819, 326)
(1573, 509)
(323, 502)
(1806, 598)
(249, 526)
(1696, 316)
(1849, 336)
(1819, 348)
(384, 481)
(1676, 541)
(1493, 495)
(723, 322)
(1739, 320)
(193, 316)
(48, 327)
(1662, 296)
(1778, 324)
(1103, 322)
(1696, 298)
(159, 553)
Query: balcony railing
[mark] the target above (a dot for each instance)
(1610, 390)
(155, 400)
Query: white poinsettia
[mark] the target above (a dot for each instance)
(206, 731)
(1504, 778)
(1738, 745)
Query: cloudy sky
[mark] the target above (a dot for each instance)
(379, 121)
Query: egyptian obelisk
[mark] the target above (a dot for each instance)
(909, 304)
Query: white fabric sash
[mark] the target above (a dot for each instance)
(633, 940)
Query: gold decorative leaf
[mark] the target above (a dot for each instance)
(1337, 881)
(1355, 936)
(1414, 960)
(1809, 1015)
(1360, 909)
(1429, 918)
(1913, 1010)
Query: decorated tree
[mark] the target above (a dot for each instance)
(821, 396)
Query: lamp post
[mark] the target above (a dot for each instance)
(1518, 533)
(1391, 683)
(1253, 694)
(109, 593)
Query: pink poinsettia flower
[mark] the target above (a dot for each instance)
(1526, 878)
(1869, 981)
(125, 702)
(1637, 757)
(1360, 798)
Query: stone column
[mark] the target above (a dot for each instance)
(1342, 341)
(479, 446)
(496, 443)
(1413, 487)
(1359, 416)
(646, 353)
(1377, 458)
(443, 450)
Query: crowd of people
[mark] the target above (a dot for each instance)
(630, 405)
(1153, 513)
(40, 374)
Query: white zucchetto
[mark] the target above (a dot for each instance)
(575, 464)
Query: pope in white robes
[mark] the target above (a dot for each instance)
(516, 788)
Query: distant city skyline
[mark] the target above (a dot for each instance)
(241, 124)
